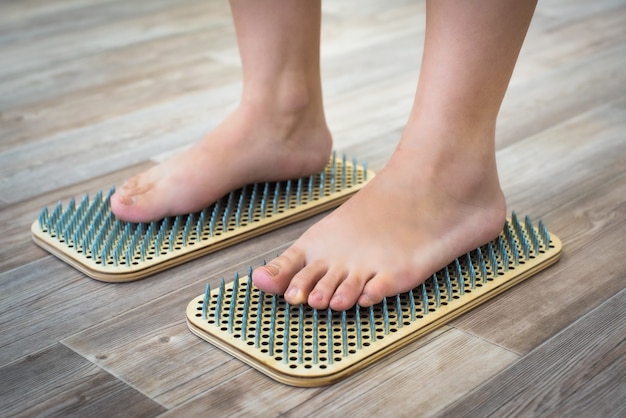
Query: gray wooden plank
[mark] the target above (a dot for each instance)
(550, 169)
(541, 306)
(58, 382)
(23, 170)
(554, 40)
(60, 36)
(414, 381)
(153, 350)
(575, 87)
(562, 11)
(27, 163)
(579, 372)
(85, 101)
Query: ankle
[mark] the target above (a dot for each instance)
(288, 116)
(290, 94)
(462, 164)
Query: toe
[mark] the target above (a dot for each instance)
(122, 206)
(135, 201)
(376, 289)
(303, 282)
(276, 275)
(325, 288)
(127, 192)
(348, 292)
(136, 208)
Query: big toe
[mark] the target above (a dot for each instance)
(135, 203)
(275, 276)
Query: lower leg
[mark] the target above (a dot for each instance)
(439, 195)
(277, 132)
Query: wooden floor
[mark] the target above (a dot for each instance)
(94, 90)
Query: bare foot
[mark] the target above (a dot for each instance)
(249, 146)
(416, 216)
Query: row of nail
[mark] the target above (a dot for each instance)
(91, 229)
(258, 318)
(256, 312)
(260, 323)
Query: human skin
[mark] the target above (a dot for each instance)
(438, 196)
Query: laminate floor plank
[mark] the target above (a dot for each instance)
(581, 371)
(188, 128)
(554, 168)
(253, 394)
(28, 10)
(40, 19)
(150, 58)
(386, 114)
(129, 131)
(58, 382)
(416, 381)
(559, 71)
(104, 102)
(553, 38)
(108, 25)
(563, 11)
(148, 344)
(101, 86)
(576, 87)
(153, 350)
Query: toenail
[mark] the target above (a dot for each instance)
(316, 296)
(295, 296)
(365, 300)
(272, 269)
(126, 200)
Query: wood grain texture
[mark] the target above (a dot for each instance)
(562, 71)
(579, 372)
(92, 91)
(58, 382)
(407, 383)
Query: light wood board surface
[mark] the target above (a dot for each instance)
(92, 91)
